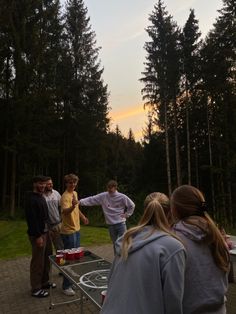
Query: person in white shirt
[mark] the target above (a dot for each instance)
(53, 198)
(117, 207)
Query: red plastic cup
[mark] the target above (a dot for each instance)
(60, 259)
(59, 252)
(70, 255)
(103, 294)
(79, 252)
(65, 253)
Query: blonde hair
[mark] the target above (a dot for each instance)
(153, 216)
(188, 204)
(165, 203)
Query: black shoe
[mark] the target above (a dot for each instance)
(48, 285)
(39, 293)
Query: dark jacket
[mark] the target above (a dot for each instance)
(36, 212)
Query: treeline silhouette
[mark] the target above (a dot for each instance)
(54, 107)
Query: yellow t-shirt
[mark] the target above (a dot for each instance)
(71, 221)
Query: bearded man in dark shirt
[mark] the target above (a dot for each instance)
(36, 212)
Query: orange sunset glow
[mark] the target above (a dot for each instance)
(129, 117)
(131, 111)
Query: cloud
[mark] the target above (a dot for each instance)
(128, 112)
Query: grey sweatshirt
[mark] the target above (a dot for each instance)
(205, 283)
(53, 201)
(113, 205)
(151, 280)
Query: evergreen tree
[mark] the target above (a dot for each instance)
(218, 70)
(31, 38)
(190, 54)
(162, 77)
(87, 105)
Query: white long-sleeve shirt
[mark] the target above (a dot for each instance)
(113, 205)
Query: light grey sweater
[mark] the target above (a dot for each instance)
(114, 205)
(53, 201)
(151, 280)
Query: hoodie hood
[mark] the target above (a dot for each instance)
(140, 239)
(191, 232)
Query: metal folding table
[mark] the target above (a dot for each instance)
(89, 274)
(233, 255)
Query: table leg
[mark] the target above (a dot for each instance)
(50, 288)
(81, 302)
(231, 273)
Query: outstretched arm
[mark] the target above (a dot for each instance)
(91, 200)
(83, 218)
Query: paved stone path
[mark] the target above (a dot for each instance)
(15, 295)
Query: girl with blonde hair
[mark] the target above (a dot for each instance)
(207, 255)
(163, 199)
(147, 274)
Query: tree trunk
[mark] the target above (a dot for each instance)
(13, 186)
(196, 167)
(167, 152)
(6, 154)
(177, 154)
(4, 180)
(188, 138)
(229, 209)
(222, 213)
(211, 166)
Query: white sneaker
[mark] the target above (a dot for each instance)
(69, 291)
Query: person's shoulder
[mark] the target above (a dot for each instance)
(56, 192)
(124, 196)
(121, 194)
(64, 194)
(105, 193)
(172, 243)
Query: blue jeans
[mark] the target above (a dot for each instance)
(70, 241)
(116, 231)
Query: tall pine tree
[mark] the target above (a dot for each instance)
(162, 78)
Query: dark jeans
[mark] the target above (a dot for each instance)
(70, 241)
(116, 231)
(40, 265)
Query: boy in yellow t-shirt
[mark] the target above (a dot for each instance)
(71, 215)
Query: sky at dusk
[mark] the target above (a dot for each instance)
(119, 26)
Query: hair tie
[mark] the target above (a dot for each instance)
(203, 206)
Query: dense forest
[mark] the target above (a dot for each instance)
(54, 107)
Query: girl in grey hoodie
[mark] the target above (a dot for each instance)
(147, 275)
(207, 261)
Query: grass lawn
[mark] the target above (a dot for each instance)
(14, 240)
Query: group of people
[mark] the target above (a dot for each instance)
(174, 261)
(55, 218)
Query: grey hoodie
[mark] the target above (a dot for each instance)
(205, 283)
(151, 280)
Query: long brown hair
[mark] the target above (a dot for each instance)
(188, 204)
(154, 216)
